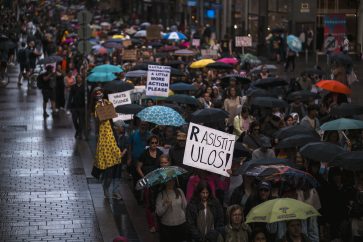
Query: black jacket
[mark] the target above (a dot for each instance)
(76, 97)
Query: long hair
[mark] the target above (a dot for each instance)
(200, 187)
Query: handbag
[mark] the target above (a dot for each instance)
(96, 172)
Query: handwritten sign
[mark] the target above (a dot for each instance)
(196, 42)
(158, 80)
(153, 32)
(130, 55)
(106, 112)
(118, 99)
(209, 149)
(209, 54)
(243, 41)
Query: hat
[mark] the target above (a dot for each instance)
(264, 185)
(181, 136)
(265, 142)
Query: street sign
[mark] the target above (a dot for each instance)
(84, 46)
(84, 17)
(243, 41)
(84, 32)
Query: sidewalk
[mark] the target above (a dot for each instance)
(44, 192)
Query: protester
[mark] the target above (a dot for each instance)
(46, 84)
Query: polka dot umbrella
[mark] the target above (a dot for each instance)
(161, 115)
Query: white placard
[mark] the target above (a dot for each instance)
(196, 42)
(158, 80)
(243, 41)
(120, 98)
(209, 149)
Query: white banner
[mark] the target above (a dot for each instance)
(243, 41)
(120, 98)
(158, 80)
(209, 149)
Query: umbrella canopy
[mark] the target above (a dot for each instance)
(347, 109)
(238, 78)
(296, 141)
(208, 115)
(182, 86)
(161, 115)
(184, 52)
(268, 102)
(174, 36)
(118, 36)
(168, 48)
(321, 151)
(268, 67)
(136, 74)
(50, 59)
(249, 58)
(267, 161)
(294, 130)
(183, 99)
(201, 63)
(112, 45)
(140, 34)
(145, 24)
(128, 109)
(118, 86)
(304, 95)
(349, 160)
(101, 77)
(313, 71)
(258, 92)
(219, 66)
(294, 43)
(175, 63)
(159, 176)
(333, 86)
(342, 124)
(281, 209)
(107, 68)
(7, 45)
(240, 151)
(228, 60)
(341, 59)
(270, 82)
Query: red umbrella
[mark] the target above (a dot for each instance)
(333, 86)
(230, 60)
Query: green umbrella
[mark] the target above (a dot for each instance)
(342, 124)
(107, 68)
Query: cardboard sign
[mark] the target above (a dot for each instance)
(106, 112)
(118, 99)
(130, 55)
(243, 41)
(126, 43)
(209, 54)
(209, 149)
(153, 32)
(196, 42)
(158, 80)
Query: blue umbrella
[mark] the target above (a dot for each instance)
(342, 124)
(182, 86)
(161, 115)
(107, 68)
(101, 77)
(174, 36)
(294, 43)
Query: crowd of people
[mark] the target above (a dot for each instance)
(199, 205)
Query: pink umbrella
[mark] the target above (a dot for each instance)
(185, 44)
(228, 60)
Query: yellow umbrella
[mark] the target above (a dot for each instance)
(201, 63)
(280, 209)
(118, 36)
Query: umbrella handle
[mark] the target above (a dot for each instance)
(347, 139)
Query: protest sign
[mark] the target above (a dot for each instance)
(120, 98)
(153, 32)
(130, 55)
(106, 112)
(208, 53)
(243, 41)
(209, 149)
(196, 42)
(158, 80)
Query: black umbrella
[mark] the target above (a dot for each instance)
(238, 78)
(296, 141)
(219, 66)
(270, 82)
(129, 109)
(182, 86)
(118, 86)
(209, 115)
(161, 54)
(258, 92)
(268, 102)
(313, 71)
(175, 63)
(155, 44)
(112, 44)
(135, 41)
(136, 74)
(7, 45)
(266, 161)
(240, 150)
(341, 59)
(294, 130)
(144, 66)
(184, 99)
(304, 95)
(321, 151)
(349, 160)
(347, 109)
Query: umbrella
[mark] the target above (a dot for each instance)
(145, 25)
(128, 109)
(333, 86)
(342, 124)
(249, 58)
(281, 209)
(201, 63)
(101, 77)
(321, 151)
(168, 48)
(268, 102)
(228, 60)
(161, 115)
(294, 130)
(175, 63)
(349, 160)
(159, 176)
(238, 78)
(130, 31)
(184, 99)
(107, 68)
(303, 95)
(136, 74)
(7, 45)
(118, 36)
(50, 59)
(219, 66)
(257, 92)
(118, 86)
(268, 67)
(240, 151)
(313, 71)
(296, 141)
(278, 30)
(347, 109)
(144, 66)
(101, 50)
(174, 36)
(184, 53)
(182, 86)
(208, 115)
(112, 45)
(294, 43)
(266, 161)
(140, 34)
(342, 59)
(270, 82)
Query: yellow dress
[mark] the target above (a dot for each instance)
(108, 154)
